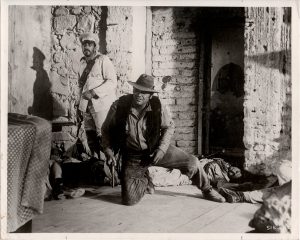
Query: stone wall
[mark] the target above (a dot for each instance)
(67, 24)
(175, 53)
(113, 26)
(267, 105)
(119, 44)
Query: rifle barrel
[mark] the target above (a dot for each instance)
(113, 176)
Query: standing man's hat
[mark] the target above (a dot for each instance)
(144, 83)
(89, 37)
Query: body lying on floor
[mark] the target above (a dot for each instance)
(234, 184)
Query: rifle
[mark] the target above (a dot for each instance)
(112, 166)
(213, 154)
(115, 169)
(109, 170)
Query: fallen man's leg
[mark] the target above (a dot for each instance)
(257, 196)
(188, 164)
(135, 180)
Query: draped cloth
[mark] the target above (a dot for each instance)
(29, 146)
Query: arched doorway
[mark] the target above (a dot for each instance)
(223, 86)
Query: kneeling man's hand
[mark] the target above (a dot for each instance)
(157, 156)
(110, 157)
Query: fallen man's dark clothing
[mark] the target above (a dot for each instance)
(233, 184)
(220, 174)
(284, 176)
(223, 174)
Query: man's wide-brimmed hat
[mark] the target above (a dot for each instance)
(89, 37)
(144, 83)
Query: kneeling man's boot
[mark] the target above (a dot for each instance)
(213, 195)
(232, 196)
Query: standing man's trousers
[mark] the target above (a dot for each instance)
(92, 123)
(135, 176)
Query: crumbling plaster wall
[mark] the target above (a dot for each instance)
(267, 104)
(175, 53)
(119, 44)
(29, 56)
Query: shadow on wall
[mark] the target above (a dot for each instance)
(102, 30)
(42, 99)
(230, 78)
(275, 60)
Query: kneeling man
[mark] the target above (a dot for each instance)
(140, 127)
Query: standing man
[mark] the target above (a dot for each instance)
(140, 127)
(98, 83)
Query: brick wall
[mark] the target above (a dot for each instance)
(175, 53)
(267, 105)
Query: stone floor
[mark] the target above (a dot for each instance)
(170, 210)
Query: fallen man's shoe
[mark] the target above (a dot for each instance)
(74, 193)
(232, 196)
(213, 195)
